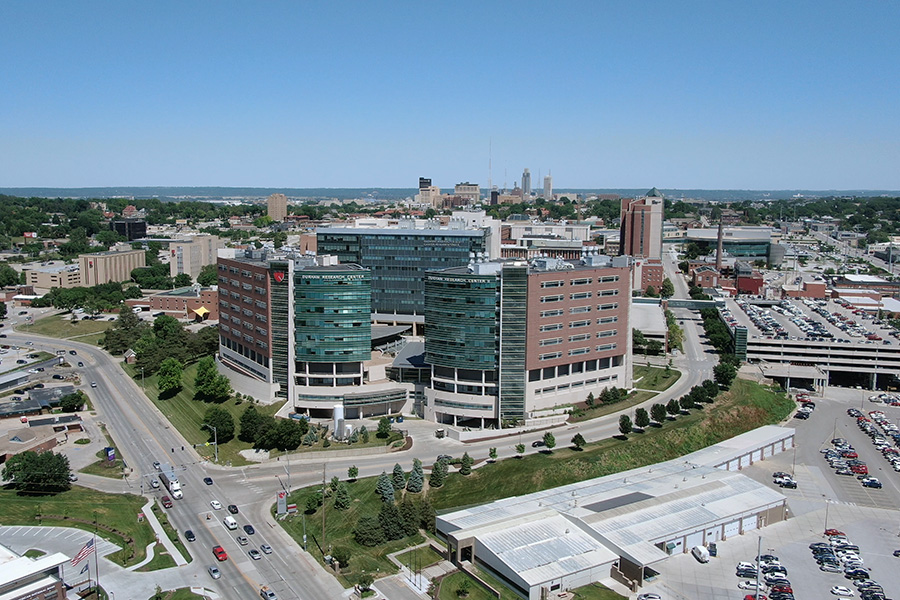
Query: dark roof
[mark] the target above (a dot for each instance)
(382, 332)
(53, 420)
(24, 406)
(411, 356)
(654, 193)
(51, 395)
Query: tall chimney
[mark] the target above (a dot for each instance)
(719, 249)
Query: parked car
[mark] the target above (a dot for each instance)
(840, 590)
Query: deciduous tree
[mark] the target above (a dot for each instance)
(625, 425)
(578, 441)
(170, 373)
(641, 418)
(658, 412)
(549, 440)
(222, 420)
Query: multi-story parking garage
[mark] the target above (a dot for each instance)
(849, 348)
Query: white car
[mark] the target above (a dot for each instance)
(650, 596)
(840, 590)
(748, 585)
(215, 504)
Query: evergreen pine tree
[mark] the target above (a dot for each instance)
(368, 531)
(438, 474)
(410, 515)
(465, 468)
(416, 478)
(342, 498)
(391, 521)
(384, 488)
(398, 479)
(427, 515)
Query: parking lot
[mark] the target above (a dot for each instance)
(869, 517)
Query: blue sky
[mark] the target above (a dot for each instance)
(752, 95)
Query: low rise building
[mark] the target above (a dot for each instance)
(23, 578)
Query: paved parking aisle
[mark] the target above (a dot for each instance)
(874, 530)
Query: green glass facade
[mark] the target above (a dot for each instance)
(332, 315)
(461, 321)
(399, 258)
(279, 296)
(513, 320)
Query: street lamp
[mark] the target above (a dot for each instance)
(142, 376)
(215, 438)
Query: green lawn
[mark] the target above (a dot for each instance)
(420, 558)
(79, 507)
(104, 467)
(161, 560)
(60, 326)
(645, 379)
(450, 585)
(186, 415)
(746, 406)
(34, 553)
(655, 378)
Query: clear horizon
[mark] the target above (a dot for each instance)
(696, 95)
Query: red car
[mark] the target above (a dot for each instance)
(220, 553)
(849, 454)
(782, 588)
(860, 469)
(831, 532)
(166, 502)
(755, 597)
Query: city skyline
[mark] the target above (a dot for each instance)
(693, 96)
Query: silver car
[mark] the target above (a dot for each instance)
(214, 572)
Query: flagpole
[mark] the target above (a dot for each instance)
(96, 565)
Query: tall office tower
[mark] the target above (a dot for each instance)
(548, 188)
(641, 228)
(277, 205)
(526, 183)
(511, 340)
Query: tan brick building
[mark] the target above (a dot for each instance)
(104, 267)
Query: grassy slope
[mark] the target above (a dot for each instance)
(59, 327)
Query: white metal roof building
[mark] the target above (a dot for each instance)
(617, 525)
(22, 577)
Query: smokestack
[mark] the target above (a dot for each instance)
(719, 249)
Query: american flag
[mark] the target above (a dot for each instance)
(84, 552)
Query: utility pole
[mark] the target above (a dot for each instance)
(323, 507)
(215, 438)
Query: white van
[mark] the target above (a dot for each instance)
(230, 523)
(700, 553)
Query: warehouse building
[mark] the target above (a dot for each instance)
(620, 525)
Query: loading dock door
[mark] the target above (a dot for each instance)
(748, 524)
(732, 529)
(767, 451)
(733, 465)
(694, 539)
(757, 456)
(712, 534)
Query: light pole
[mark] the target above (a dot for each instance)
(215, 438)
(142, 376)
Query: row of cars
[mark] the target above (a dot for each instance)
(765, 572)
(886, 439)
(840, 555)
(844, 459)
(807, 407)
